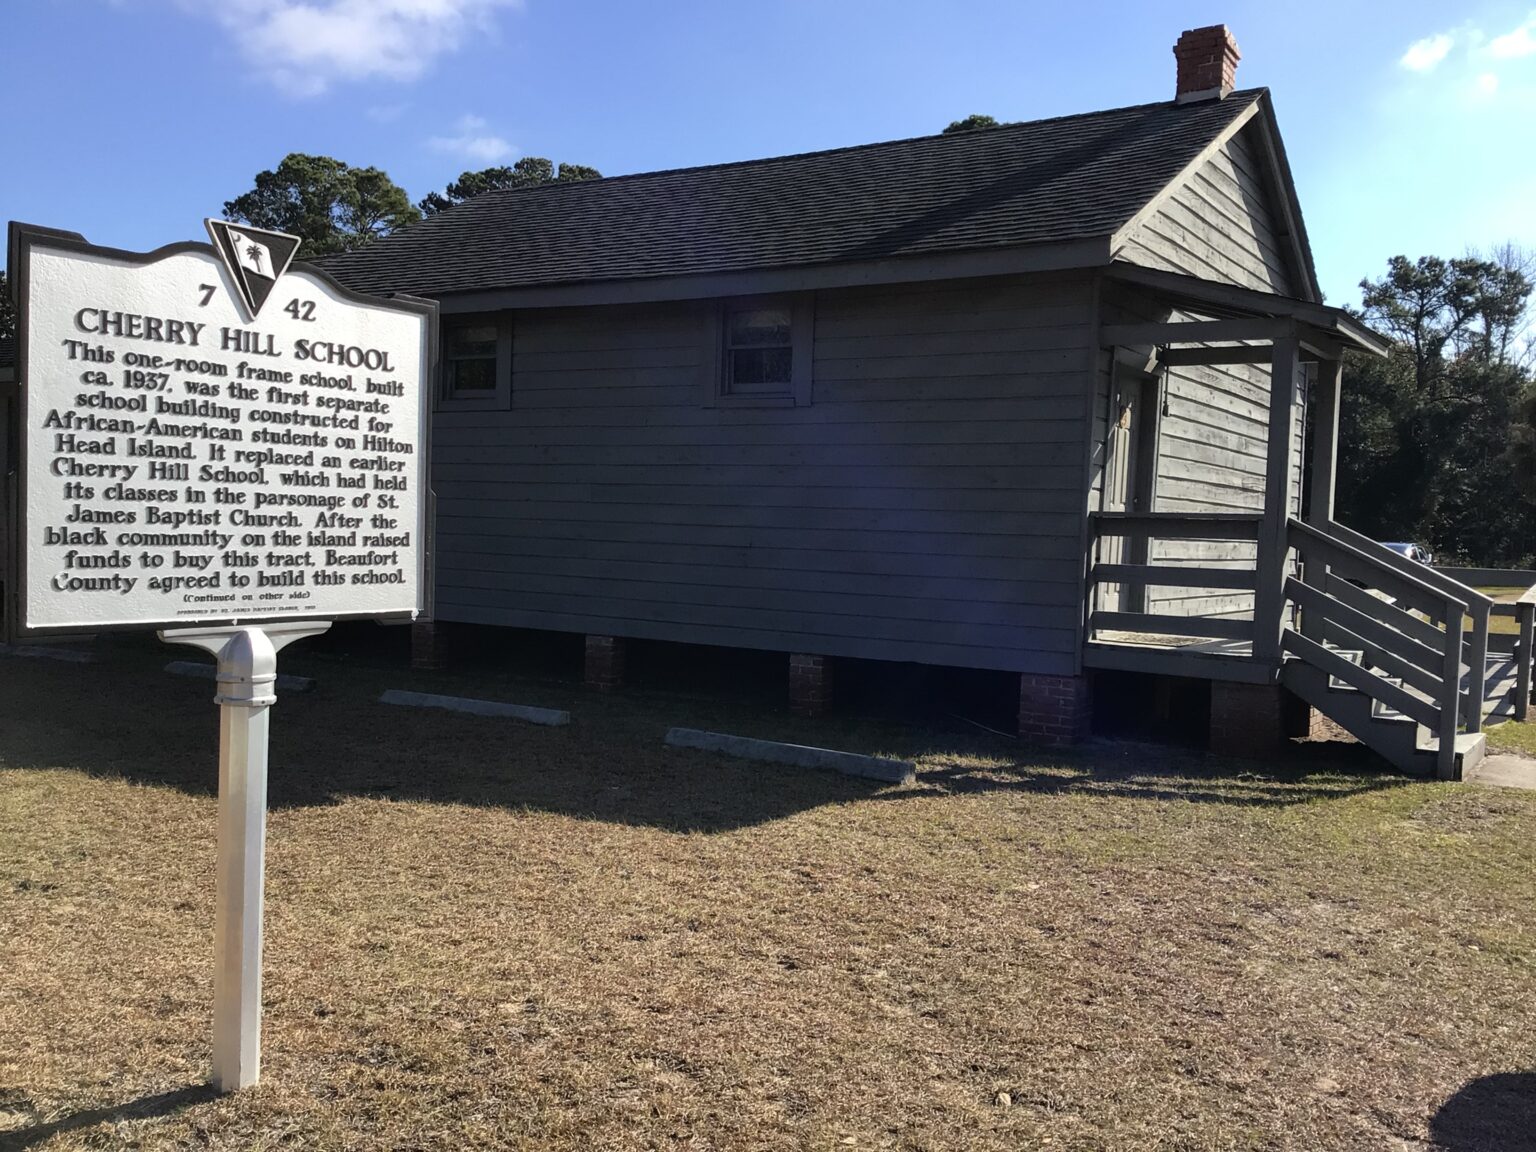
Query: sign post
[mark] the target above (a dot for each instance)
(247, 679)
(230, 449)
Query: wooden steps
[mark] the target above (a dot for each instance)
(1401, 740)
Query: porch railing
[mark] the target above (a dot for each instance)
(1137, 532)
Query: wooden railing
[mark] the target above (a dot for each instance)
(1411, 623)
(1523, 612)
(1478, 605)
(1412, 633)
(1137, 531)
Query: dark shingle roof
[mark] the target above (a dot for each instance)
(1046, 181)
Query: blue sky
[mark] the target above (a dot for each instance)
(1408, 124)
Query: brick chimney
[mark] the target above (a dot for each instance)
(1207, 63)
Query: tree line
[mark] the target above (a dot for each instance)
(1437, 441)
(335, 207)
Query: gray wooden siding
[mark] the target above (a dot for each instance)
(1219, 225)
(1210, 458)
(926, 506)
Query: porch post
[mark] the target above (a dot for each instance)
(1325, 443)
(1268, 600)
(1326, 391)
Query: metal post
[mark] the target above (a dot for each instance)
(247, 677)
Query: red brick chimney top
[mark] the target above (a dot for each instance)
(1207, 63)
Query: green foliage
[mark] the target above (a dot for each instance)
(971, 123)
(334, 207)
(526, 173)
(1437, 440)
(1522, 443)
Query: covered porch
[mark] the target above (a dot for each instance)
(1275, 591)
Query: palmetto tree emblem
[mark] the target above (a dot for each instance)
(255, 258)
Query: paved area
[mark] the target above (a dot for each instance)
(1506, 771)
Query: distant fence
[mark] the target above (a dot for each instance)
(1490, 577)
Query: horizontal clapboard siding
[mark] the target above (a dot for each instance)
(1219, 225)
(1212, 444)
(926, 506)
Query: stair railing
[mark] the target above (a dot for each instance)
(1416, 637)
(1478, 605)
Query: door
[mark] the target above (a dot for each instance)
(1129, 476)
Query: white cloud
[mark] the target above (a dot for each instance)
(473, 142)
(1423, 55)
(1520, 42)
(1488, 83)
(305, 46)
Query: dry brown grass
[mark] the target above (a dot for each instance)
(487, 935)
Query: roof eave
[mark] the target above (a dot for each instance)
(1346, 327)
(1083, 253)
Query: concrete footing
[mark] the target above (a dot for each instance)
(795, 755)
(550, 717)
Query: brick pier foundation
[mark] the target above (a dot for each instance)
(1054, 709)
(810, 684)
(1258, 720)
(605, 662)
(429, 645)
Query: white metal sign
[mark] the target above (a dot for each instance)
(210, 436)
(216, 441)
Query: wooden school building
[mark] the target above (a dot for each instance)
(1050, 398)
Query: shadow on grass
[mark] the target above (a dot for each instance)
(1143, 772)
(1489, 1114)
(125, 717)
(144, 1108)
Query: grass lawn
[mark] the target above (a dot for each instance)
(1507, 736)
(1503, 625)
(487, 935)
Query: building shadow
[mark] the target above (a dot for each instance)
(144, 1108)
(125, 717)
(1490, 1114)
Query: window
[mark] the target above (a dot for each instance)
(762, 352)
(759, 357)
(477, 364)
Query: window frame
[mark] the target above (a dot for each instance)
(477, 400)
(802, 319)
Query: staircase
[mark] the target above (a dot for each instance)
(1398, 737)
(1380, 645)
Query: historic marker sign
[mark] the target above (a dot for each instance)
(213, 435)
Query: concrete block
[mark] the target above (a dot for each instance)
(796, 755)
(193, 668)
(550, 717)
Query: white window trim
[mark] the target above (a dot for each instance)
(496, 399)
(802, 322)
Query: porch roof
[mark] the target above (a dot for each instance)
(1229, 301)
